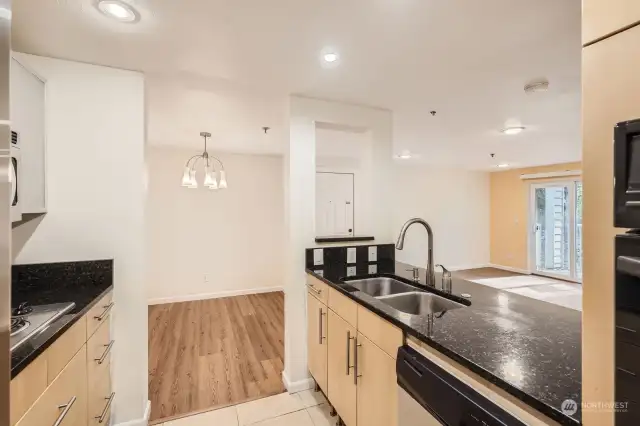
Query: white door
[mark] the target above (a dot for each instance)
(555, 245)
(334, 204)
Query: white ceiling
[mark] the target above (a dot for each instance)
(227, 67)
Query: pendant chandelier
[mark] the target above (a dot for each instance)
(210, 174)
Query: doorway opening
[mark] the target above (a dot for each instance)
(555, 243)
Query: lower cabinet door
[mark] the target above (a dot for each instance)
(377, 397)
(340, 368)
(65, 400)
(317, 340)
(100, 397)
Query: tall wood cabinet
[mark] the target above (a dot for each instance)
(603, 17)
(355, 365)
(610, 94)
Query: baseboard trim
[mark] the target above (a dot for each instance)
(144, 421)
(217, 295)
(299, 386)
(464, 267)
(510, 269)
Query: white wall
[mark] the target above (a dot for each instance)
(95, 177)
(345, 151)
(203, 243)
(454, 202)
(299, 176)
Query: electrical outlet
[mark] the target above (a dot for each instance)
(351, 271)
(320, 272)
(318, 257)
(351, 255)
(373, 254)
(373, 269)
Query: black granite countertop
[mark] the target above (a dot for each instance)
(83, 283)
(529, 348)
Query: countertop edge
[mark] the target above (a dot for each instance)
(18, 368)
(536, 404)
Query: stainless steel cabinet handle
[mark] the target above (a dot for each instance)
(349, 339)
(64, 413)
(625, 329)
(356, 345)
(320, 334)
(101, 417)
(626, 371)
(106, 311)
(315, 290)
(105, 353)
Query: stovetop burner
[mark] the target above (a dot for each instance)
(22, 310)
(18, 324)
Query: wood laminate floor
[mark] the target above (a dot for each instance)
(217, 352)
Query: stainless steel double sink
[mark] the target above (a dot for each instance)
(403, 297)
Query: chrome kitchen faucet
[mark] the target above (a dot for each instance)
(431, 275)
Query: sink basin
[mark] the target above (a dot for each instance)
(418, 303)
(380, 286)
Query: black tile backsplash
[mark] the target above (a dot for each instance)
(338, 255)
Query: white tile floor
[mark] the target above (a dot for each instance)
(307, 408)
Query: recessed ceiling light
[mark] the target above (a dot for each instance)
(512, 130)
(404, 155)
(119, 10)
(330, 57)
(502, 165)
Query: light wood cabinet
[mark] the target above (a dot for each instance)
(384, 334)
(603, 17)
(73, 368)
(610, 94)
(65, 399)
(319, 289)
(317, 340)
(27, 387)
(377, 402)
(340, 370)
(99, 314)
(343, 306)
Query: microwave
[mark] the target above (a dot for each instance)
(626, 171)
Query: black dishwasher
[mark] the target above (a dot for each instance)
(429, 396)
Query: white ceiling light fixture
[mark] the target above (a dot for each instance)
(513, 130)
(118, 10)
(210, 174)
(537, 86)
(330, 57)
(503, 165)
(404, 155)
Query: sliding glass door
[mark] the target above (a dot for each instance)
(555, 245)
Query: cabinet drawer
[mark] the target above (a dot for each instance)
(319, 289)
(100, 398)
(99, 313)
(385, 335)
(343, 306)
(63, 349)
(65, 399)
(99, 350)
(27, 387)
(627, 327)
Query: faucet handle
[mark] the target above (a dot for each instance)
(446, 279)
(416, 273)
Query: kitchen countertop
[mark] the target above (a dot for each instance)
(529, 348)
(83, 283)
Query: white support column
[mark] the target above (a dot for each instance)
(299, 179)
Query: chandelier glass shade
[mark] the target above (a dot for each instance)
(213, 179)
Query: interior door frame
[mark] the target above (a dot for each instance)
(353, 201)
(531, 241)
